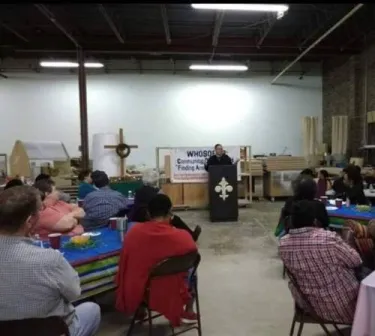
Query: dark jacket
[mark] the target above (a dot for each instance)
(339, 187)
(356, 194)
(217, 161)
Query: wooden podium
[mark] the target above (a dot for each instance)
(223, 199)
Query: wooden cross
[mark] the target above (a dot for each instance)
(122, 160)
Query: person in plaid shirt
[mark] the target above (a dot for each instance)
(102, 204)
(323, 266)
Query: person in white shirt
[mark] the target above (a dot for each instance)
(37, 282)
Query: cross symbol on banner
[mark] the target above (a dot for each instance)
(223, 187)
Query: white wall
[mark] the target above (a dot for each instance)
(160, 110)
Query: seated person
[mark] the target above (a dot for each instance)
(145, 245)
(323, 266)
(323, 183)
(354, 186)
(339, 186)
(307, 173)
(62, 196)
(56, 215)
(85, 185)
(102, 204)
(13, 183)
(37, 282)
(304, 188)
(143, 196)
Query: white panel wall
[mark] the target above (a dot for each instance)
(160, 110)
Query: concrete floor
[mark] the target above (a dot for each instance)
(241, 288)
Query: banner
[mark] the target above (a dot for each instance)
(187, 163)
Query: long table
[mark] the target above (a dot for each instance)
(97, 267)
(339, 216)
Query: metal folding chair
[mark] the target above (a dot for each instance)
(309, 316)
(170, 266)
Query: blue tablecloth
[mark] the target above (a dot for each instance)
(109, 241)
(351, 212)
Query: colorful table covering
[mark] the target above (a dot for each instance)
(339, 216)
(96, 266)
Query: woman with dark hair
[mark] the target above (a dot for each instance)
(85, 185)
(354, 186)
(305, 189)
(323, 183)
(13, 183)
(139, 212)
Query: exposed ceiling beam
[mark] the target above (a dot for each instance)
(50, 16)
(321, 38)
(3, 76)
(216, 32)
(319, 25)
(267, 29)
(111, 23)
(14, 32)
(164, 16)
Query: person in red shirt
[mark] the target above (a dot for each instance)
(145, 245)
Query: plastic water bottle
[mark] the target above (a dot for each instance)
(130, 194)
(348, 202)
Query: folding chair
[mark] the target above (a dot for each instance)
(170, 266)
(49, 326)
(308, 316)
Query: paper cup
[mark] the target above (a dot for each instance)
(324, 199)
(80, 203)
(113, 223)
(55, 240)
(338, 202)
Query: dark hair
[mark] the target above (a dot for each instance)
(324, 173)
(100, 178)
(13, 183)
(303, 214)
(42, 176)
(16, 205)
(307, 172)
(218, 145)
(83, 174)
(354, 174)
(44, 186)
(160, 206)
(305, 188)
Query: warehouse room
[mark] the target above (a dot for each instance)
(249, 126)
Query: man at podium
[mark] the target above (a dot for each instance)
(219, 158)
(222, 184)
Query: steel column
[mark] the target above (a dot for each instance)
(83, 109)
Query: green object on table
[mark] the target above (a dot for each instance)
(74, 246)
(125, 187)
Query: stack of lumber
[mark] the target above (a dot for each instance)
(284, 163)
(256, 167)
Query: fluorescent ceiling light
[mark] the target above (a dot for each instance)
(52, 64)
(212, 67)
(94, 65)
(243, 7)
(58, 64)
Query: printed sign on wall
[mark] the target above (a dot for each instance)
(187, 163)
